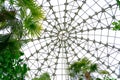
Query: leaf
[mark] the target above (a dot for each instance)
(24, 69)
(93, 67)
(7, 15)
(1, 1)
(2, 25)
(17, 29)
(20, 23)
(14, 45)
(17, 55)
(4, 40)
(104, 72)
(44, 76)
(1, 59)
(83, 66)
(118, 2)
(1, 70)
(37, 13)
(116, 25)
(12, 2)
(33, 28)
(22, 13)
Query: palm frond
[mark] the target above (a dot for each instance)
(37, 13)
(85, 61)
(93, 67)
(16, 29)
(104, 72)
(7, 15)
(33, 28)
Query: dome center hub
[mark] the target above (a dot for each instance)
(63, 35)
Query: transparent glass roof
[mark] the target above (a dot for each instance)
(73, 29)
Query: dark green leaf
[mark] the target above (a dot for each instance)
(1, 1)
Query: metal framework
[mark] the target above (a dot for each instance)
(74, 29)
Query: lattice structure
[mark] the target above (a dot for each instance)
(74, 29)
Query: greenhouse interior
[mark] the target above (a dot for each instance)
(59, 39)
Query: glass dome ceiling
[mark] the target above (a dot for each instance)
(73, 29)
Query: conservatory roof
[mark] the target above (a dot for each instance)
(73, 29)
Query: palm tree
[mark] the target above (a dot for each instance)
(82, 68)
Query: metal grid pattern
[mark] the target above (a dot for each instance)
(74, 29)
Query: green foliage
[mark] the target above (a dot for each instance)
(82, 67)
(118, 2)
(11, 66)
(35, 11)
(31, 14)
(20, 18)
(3, 41)
(44, 76)
(116, 25)
(7, 15)
(93, 67)
(109, 78)
(2, 1)
(106, 75)
(104, 72)
(32, 27)
(27, 14)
